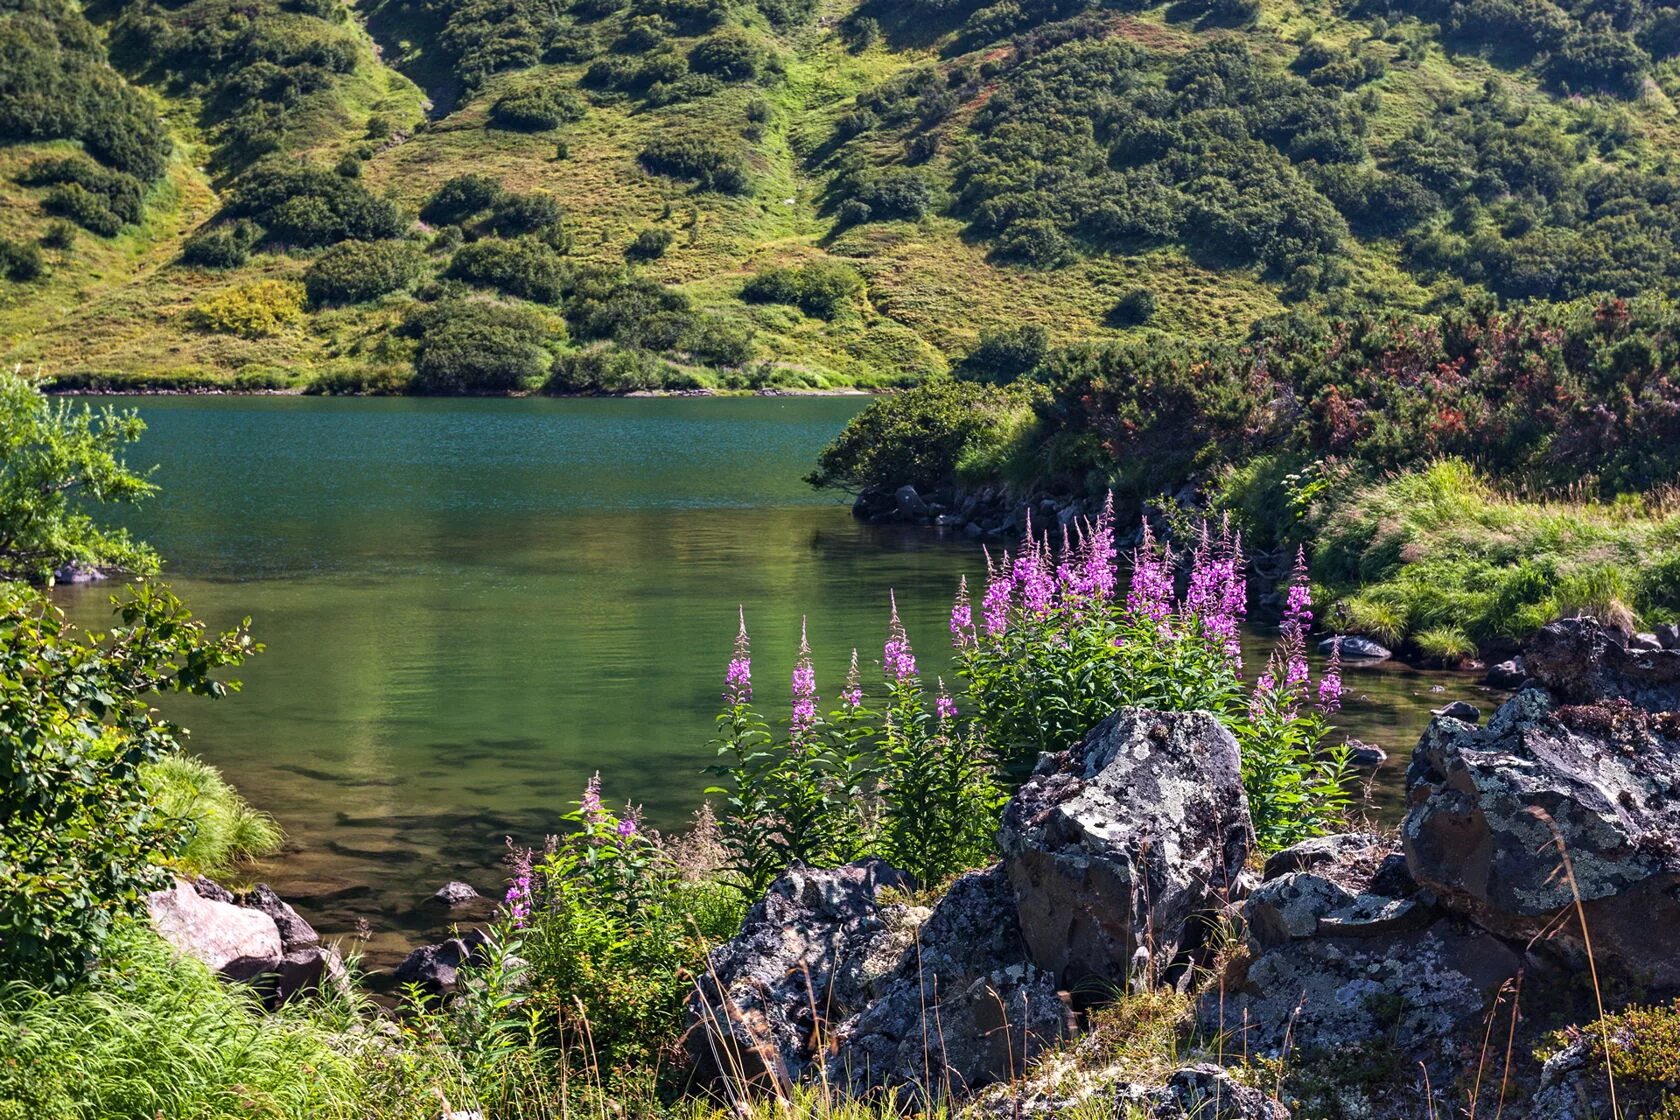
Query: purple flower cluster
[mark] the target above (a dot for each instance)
(1151, 593)
(1218, 592)
(590, 805)
(1035, 574)
(516, 904)
(943, 704)
(897, 660)
(1330, 684)
(962, 617)
(737, 681)
(852, 694)
(1000, 592)
(804, 687)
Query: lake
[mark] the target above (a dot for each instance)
(472, 605)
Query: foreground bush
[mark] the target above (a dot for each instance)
(471, 346)
(152, 1034)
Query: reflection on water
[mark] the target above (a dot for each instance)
(470, 606)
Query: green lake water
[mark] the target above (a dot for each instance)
(472, 605)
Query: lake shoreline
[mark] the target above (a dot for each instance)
(645, 394)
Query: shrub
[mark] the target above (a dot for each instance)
(357, 271)
(1004, 355)
(461, 199)
(924, 436)
(310, 207)
(468, 347)
(821, 287)
(719, 342)
(82, 206)
(1135, 308)
(609, 369)
(21, 262)
(222, 246)
(524, 267)
(537, 108)
(59, 235)
(649, 244)
(254, 310)
(84, 842)
(893, 192)
(633, 311)
(729, 55)
(121, 194)
(1036, 242)
(514, 214)
(699, 157)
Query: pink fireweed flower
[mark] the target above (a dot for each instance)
(1297, 609)
(897, 661)
(804, 687)
(943, 704)
(590, 805)
(626, 828)
(1152, 579)
(737, 681)
(962, 617)
(1097, 563)
(1262, 694)
(1330, 684)
(1000, 591)
(516, 904)
(852, 695)
(1034, 575)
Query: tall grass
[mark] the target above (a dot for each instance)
(152, 1034)
(223, 829)
(1442, 559)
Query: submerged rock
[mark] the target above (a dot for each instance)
(967, 998)
(1119, 849)
(456, 893)
(1508, 675)
(810, 954)
(436, 969)
(1354, 648)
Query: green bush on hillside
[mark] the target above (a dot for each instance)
(308, 207)
(1006, 355)
(613, 369)
(630, 310)
(514, 214)
(460, 199)
(524, 267)
(473, 346)
(537, 108)
(357, 271)
(821, 288)
(649, 244)
(257, 309)
(729, 55)
(76, 203)
(95, 198)
(697, 156)
(21, 262)
(221, 246)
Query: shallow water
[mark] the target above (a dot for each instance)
(472, 605)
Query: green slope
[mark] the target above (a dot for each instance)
(1022, 163)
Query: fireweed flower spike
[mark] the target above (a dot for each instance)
(1330, 684)
(1034, 574)
(853, 694)
(896, 659)
(1297, 610)
(591, 802)
(516, 904)
(1097, 577)
(1152, 579)
(1000, 589)
(737, 681)
(943, 704)
(804, 687)
(962, 617)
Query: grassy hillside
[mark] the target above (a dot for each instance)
(798, 192)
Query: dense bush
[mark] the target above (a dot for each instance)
(523, 267)
(253, 310)
(355, 271)
(461, 199)
(821, 287)
(221, 246)
(472, 346)
(76, 203)
(311, 206)
(514, 214)
(610, 369)
(649, 244)
(95, 198)
(84, 841)
(630, 310)
(20, 262)
(697, 156)
(891, 192)
(926, 436)
(730, 55)
(1004, 355)
(1135, 308)
(537, 107)
(56, 83)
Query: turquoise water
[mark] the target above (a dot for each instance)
(472, 605)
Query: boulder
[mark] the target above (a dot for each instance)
(810, 954)
(1644, 642)
(75, 571)
(306, 970)
(436, 968)
(909, 503)
(294, 931)
(1494, 811)
(1344, 952)
(1508, 675)
(1202, 1092)
(1354, 648)
(1580, 662)
(1668, 635)
(1460, 709)
(455, 893)
(874, 505)
(239, 943)
(967, 996)
(1361, 753)
(1119, 848)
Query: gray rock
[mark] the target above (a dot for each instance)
(1644, 643)
(1355, 648)
(1668, 635)
(294, 931)
(456, 893)
(967, 995)
(1361, 753)
(1491, 808)
(1120, 848)
(77, 572)
(973, 529)
(909, 502)
(1338, 850)
(811, 953)
(1344, 952)
(239, 943)
(1508, 675)
(1460, 709)
(308, 970)
(209, 888)
(436, 969)
(1572, 1085)
(1206, 1092)
(1580, 662)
